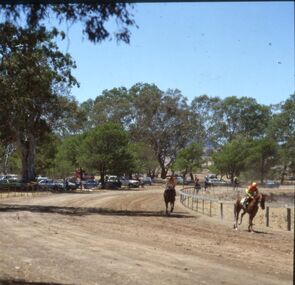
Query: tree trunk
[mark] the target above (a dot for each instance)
(28, 152)
(163, 172)
(9, 149)
(283, 173)
(262, 170)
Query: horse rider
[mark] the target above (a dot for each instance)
(197, 183)
(170, 184)
(236, 182)
(251, 192)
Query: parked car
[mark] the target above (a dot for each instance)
(188, 181)
(10, 177)
(69, 185)
(179, 180)
(52, 184)
(211, 176)
(112, 182)
(216, 182)
(147, 180)
(12, 182)
(271, 184)
(39, 178)
(129, 182)
(89, 184)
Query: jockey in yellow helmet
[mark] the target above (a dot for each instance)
(251, 191)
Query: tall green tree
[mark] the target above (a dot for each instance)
(282, 130)
(46, 153)
(68, 152)
(226, 119)
(30, 49)
(203, 108)
(145, 160)
(33, 77)
(87, 108)
(262, 156)
(106, 149)
(163, 120)
(112, 106)
(231, 159)
(189, 159)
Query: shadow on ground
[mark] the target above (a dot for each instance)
(23, 282)
(83, 211)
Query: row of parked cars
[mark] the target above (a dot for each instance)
(11, 180)
(114, 181)
(111, 181)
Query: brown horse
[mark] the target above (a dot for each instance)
(169, 197)
(251, 209)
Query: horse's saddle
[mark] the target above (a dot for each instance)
(170, 190)
(244, 202)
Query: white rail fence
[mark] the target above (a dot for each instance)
(275, 216)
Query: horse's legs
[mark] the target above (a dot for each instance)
(237, 210)
(250, 227)
(166, 203)
(172, 206)
(242, 215)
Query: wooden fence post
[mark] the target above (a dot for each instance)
(203, 206)
(267, 216)
(288, 219)
(221, 211)
(210, 210)
(197, 204)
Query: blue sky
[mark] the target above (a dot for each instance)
(219, 49)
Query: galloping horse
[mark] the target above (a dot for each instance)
(169, 197)
(251, 209)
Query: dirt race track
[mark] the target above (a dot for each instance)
(123, 237)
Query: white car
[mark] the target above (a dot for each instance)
(129, 182)
(49, 183)
(216, 181)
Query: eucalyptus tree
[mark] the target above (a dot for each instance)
(163, 120)
(228, 118)
(94, 17)
(6, 153)
(203, 108)
(74, 118)
(113, 105)
(33, 77)
(282, 130)
(86, 108)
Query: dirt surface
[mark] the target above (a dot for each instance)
(123, 237)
